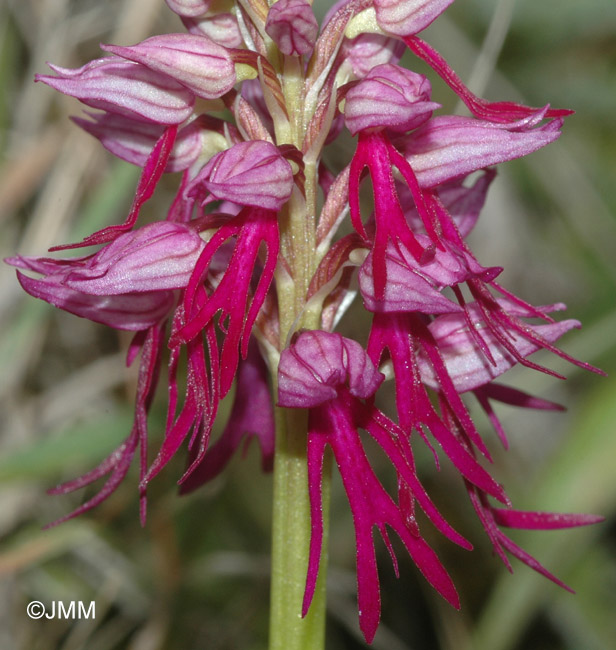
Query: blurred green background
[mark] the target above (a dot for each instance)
(197, 575)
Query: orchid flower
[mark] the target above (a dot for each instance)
(246, 275)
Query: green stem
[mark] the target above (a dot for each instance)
(291, 528)
(291, 541)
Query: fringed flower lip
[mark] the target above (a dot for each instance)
(335, 379)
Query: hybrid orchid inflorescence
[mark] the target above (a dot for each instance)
(247, 273)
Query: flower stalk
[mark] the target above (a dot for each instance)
(291, 521)
(291, 532)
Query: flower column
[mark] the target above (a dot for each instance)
(293, 29)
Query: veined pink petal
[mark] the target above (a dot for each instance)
(127, 284)
(156, 257)
(466, 364)
(318, 363)
(405, 17)
(412, 286)
(405, 289)
(221, 28)
(292, 26)
(249, 173)
(367, 51)
(133, 141)
(388, 97)
(451, 146)
(189, 7)
(126, 88)
(196, 62)
(130, 311)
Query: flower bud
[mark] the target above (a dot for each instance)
(292, 26)
(124, 88)
(195, 61)
(189, 7)
(312, 369)
(366, 51)
(159, 256)
(405, 17)
(388, 97)
(221, 28)
(249, 173)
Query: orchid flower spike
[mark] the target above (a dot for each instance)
(262, 233)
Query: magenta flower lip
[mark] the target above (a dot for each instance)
(331, 375)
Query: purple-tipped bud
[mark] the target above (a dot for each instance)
(292, 26)
(124, 88)
(369, 50)
(312, 369)
(133, 141)
(452, 146)
(221, 28)
(388, 97)
(405, 17)
(249, 173)
(189, 7)
(196, 62)
(466, 363)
